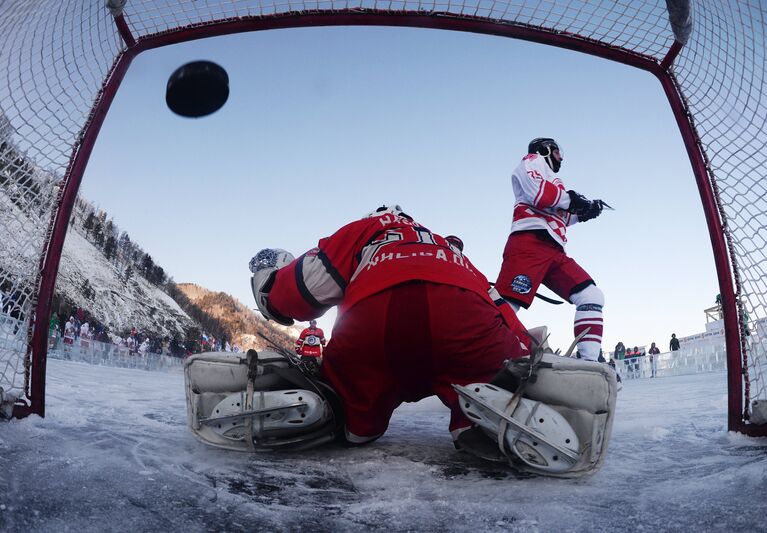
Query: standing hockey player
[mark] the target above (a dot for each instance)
(535, 249)
(414, 317)
(69, 336)
(85, 337)
(311, 341)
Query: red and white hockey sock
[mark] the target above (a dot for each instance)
(588, 318)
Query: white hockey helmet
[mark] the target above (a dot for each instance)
(264, 266)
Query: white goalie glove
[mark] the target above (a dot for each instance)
(264, 266)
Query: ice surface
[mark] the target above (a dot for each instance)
(114, 454)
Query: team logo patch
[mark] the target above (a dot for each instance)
(311, 340)
(521, 284)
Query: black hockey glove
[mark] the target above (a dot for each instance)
(578, 202)
(584, 208)
(593, 210)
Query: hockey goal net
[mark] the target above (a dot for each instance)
(63, 61)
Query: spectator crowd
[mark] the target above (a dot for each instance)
(79, 330)
(631, 358)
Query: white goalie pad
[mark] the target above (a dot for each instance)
(561, 425)
(758, 412)
(224, 411)
(537, 435)
(7, 401)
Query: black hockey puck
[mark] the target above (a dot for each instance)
(197, 89)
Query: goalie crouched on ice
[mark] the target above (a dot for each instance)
(414, 317)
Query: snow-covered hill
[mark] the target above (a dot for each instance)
(117, 303)
(86, 277)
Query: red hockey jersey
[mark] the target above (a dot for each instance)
(368, 256)
(541, 199)
(310, 342)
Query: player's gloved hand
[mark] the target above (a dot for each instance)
(584, 208)
(593, 210)
(264, 266)
(578, 202)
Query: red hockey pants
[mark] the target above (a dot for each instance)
(409, 342)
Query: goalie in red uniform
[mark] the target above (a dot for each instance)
(311, 341)
(414, 317)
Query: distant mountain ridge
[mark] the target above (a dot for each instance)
(241, 324)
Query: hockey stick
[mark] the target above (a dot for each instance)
(538, 295)
(283, 351)
(549, 300)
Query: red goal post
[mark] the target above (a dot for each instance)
(63, 61)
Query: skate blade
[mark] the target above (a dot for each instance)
(536, 434)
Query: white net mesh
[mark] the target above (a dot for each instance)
(57, 55)
(721, 72)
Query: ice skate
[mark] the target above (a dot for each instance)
(547, 414)
(262, 402)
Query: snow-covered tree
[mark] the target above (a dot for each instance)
(147, 265)
(110, 247)
(90, 219)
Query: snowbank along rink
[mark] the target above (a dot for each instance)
(114, 454)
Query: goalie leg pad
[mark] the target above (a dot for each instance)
(759, 412)
(247, 405)
(273, 415)
(526, 431)
(581, 393)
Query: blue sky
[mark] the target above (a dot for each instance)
(324, 124)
